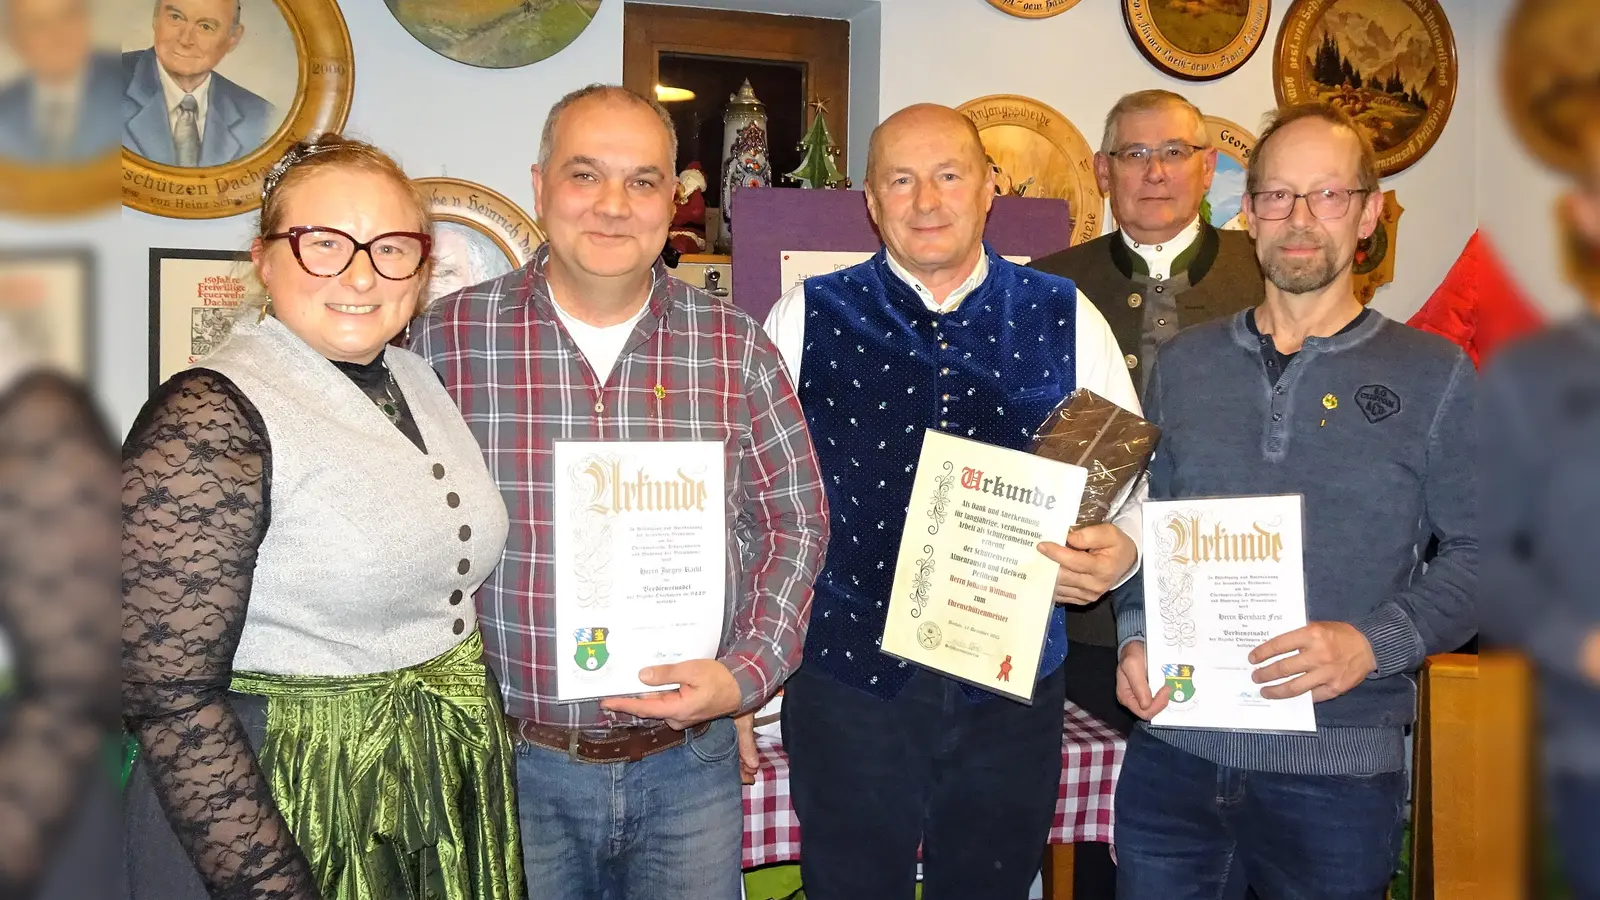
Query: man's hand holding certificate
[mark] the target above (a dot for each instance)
(1225, 614)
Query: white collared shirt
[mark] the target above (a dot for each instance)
(174, 95)
(1100, 366)
(979, 273)
(1158, 258)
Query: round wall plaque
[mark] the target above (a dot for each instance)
(495, 34)
(1224, 203)
(1037, 152)
(1033, 9)
(478, 234)
(1197, 40)
(219, 173)
(1390, 64)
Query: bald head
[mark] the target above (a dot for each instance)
(924, 119)
(929, 188)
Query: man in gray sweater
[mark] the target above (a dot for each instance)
(1373, 424)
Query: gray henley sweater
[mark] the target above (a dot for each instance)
(1375, 428)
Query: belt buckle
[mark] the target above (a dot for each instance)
(572, 745)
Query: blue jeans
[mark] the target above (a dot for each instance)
(974, 783)
(1575, 799)
(1189, 829)
(668, 827)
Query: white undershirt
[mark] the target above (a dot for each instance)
(600, 345)
(1158, 258)
(1100, 366)
(174, 95)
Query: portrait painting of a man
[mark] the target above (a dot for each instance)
(61, 108)
(462, 257)
(177, 109)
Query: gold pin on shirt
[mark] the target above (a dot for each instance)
(661, 392)
(1329, 401)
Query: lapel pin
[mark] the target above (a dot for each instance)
(661, 392)
(1329, 401)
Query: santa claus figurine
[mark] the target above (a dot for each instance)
(688, 231)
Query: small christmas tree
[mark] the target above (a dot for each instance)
(817, 169)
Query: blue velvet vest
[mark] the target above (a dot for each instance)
(877, 370)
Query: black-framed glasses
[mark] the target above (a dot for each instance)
(1328, 203)
(1171, 153)
(326, 252)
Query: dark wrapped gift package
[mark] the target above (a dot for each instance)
(1115, 446)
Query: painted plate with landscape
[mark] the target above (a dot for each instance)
(495, 34)
(1223, 205)
(1197, 39)
(1390, 64)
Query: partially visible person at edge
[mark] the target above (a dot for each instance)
(1162, 270)
(936, 331)
(591, 340)
(59, 832)
(1372, 423)
(305, 520)
(1541, 473)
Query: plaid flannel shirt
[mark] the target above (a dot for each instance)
(694, 369)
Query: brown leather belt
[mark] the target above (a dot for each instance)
(623, 744)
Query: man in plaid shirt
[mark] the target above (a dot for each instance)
(630, 796)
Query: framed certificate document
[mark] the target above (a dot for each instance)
(640, 544)
(1222, 576)
(972, 593)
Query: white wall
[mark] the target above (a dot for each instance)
(443, 118)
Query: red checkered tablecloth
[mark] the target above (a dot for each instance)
(1091, 757)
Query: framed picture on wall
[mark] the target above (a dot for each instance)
(1036, 151)
(1223, 206)
(478, 234)
(264, 75)
(194, 296)
(47, 299)
(1197, 41)
(1390, 64)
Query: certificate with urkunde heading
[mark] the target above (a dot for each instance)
(972, 593)
(1222, 575)
(640, 543)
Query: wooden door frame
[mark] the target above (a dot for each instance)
(822, 46)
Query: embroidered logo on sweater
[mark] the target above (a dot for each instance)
(1377, 402)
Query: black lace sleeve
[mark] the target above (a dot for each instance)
(195, 507)
(58, 589)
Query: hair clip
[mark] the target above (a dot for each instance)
(299, 152)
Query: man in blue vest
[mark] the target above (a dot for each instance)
(935, 331)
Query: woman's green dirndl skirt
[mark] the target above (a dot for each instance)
(397, 785)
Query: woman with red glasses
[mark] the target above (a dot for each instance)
(305, 520)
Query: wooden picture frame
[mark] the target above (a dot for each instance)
(325, 73)
(1073, 180)
(1192, 47)
(1401, 130)
(469, 218)
(1033, 9)
(1234, 144)
(48, 295)
(194, 297)
(504, 37)
(1373, 266)
(820, 46)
